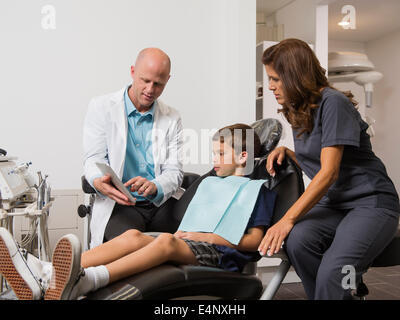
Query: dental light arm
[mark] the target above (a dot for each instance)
(365, 79)
(347, 66)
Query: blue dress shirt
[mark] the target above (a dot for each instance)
(139, 153)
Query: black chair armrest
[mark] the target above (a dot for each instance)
(86, 187)
(188, 179)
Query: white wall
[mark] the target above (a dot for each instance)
(48, 76)
(340, 45)
(298, 18)
(384, 53)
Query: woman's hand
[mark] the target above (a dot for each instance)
(274, 237)
(278, 154)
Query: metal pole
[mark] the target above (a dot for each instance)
(276, 281)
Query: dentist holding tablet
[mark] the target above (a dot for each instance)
(140, 138)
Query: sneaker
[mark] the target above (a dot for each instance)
(67, 268)
(41, 269)
(15, 270)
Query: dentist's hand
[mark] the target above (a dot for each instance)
(278, 154)
(274, 237)
(143, 186)
(104, 186)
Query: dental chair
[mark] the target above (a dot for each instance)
(173, 281)
(170, 281)
(176, 281)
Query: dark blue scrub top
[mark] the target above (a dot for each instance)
(363, 180)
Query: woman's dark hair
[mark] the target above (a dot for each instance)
(236, 136)
(302, 78)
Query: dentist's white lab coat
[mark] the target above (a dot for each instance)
(104, 140)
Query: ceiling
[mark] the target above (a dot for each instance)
(374, 18)
(270, 6)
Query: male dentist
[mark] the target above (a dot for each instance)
(140, 137)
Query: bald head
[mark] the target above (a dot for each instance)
(155, 58)
(150, 75)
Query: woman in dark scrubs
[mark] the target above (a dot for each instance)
(350, 211)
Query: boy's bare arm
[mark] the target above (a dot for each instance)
(249, 242)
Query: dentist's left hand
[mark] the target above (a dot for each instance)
(143, 186)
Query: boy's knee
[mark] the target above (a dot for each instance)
(131, 234)
(167, 241)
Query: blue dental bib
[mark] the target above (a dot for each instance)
(222, 206)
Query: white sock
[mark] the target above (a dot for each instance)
(101, 276)
(94, 278)
(42, 270)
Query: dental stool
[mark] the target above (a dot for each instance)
(389, 257)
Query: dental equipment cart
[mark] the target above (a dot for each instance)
(21, 196)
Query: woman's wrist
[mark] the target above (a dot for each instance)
(292, 155)
(290, 218)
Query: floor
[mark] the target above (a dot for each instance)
(382, 283)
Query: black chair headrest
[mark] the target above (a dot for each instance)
(269, 131)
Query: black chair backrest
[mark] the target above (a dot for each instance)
(288, 184)
(269, 131)
(188, 179)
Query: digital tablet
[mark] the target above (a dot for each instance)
(107, 170)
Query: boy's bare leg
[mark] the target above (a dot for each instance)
(164, 248)
(131, 253)
(126, 243)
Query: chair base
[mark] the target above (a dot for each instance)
(170, 281)
(276, 281)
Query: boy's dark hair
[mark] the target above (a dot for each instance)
(237, 136)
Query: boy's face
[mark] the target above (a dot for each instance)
(224, 159)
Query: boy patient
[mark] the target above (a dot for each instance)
(75, 274)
